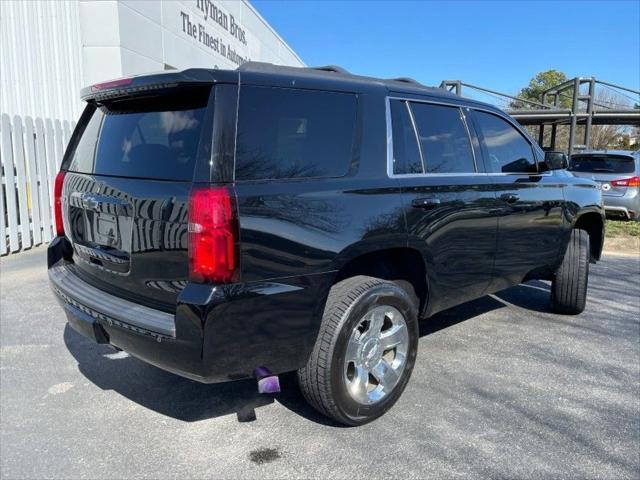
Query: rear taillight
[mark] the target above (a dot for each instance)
(627, 182)
(57, 203)
(213, 235)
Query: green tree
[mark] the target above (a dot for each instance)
(533, 92)
(538, 84)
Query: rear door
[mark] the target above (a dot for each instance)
(129, 171)
(530, 203)
(449, 200)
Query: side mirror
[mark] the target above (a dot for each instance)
(555, 161)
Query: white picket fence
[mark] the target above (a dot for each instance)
(30, 154)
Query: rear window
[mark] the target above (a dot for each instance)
(406, 154)
(154, 137)
(446, 146)
(602, 164)
(289, 133)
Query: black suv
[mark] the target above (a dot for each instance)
(272, 219)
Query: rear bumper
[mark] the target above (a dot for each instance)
(217, 333)
(627, 205)
(91, 300)
(621, 212)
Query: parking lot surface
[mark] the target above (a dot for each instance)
(502, 388)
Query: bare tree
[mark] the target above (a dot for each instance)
(606, 136)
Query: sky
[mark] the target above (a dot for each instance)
(495, 44)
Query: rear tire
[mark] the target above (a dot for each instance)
(569, 284)
(354, 392)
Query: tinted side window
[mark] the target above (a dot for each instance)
(406, 155)
(507, 150)
(289, 133)
(444, 140)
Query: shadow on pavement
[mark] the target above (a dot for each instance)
(176, 396)
(191, 401)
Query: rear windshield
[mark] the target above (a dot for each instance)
(602, 164)
(154, 137)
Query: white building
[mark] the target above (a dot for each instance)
(50, 49)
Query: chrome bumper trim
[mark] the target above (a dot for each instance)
(107, 307)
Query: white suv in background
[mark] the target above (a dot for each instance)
(618, 173)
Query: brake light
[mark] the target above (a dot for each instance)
(121, 82)
(57, 203)
(627, 182)
(213, 235)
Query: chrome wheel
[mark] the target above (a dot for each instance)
(376, 355)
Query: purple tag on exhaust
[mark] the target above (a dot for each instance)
(269, 384)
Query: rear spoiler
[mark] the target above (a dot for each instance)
(126, 87)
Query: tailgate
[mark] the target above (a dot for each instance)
(129, 172)
(129, 236)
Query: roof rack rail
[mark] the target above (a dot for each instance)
(331, 68)
(406, 80)
(253, 65)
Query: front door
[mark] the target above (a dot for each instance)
(530, 203)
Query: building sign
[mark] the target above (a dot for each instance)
(209, 24)
(226, 21)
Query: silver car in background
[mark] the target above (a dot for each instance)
(618, 173)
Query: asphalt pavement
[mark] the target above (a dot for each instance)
(502, 388)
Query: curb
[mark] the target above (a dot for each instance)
(609, 253)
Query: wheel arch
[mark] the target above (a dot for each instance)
(396, 263)
(593, 223)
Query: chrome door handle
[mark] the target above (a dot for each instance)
(510, 197)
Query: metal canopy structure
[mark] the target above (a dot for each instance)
(584, 108)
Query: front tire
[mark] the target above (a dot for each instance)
(569, 284)
(365, 350)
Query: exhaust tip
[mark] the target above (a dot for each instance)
(267, 382)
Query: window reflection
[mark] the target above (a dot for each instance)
(289, 133)
(444, 140)
(507, 150)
